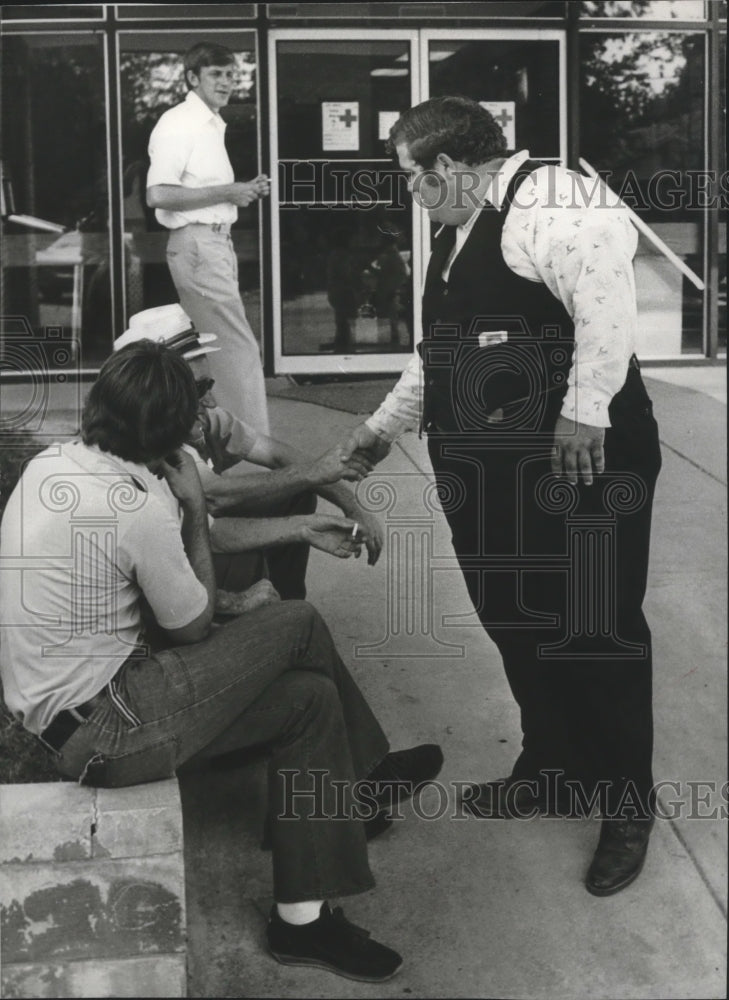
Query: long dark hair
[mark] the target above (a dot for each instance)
(143, 404)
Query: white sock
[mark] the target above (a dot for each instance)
(300, 913)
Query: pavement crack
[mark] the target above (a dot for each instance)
(691, 462)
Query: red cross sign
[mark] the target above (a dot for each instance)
(504, 114)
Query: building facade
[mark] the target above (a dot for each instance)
(331, 265)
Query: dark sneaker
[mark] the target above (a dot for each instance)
(331, 942)
(400, 773)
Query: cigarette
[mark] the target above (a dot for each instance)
(355, 529)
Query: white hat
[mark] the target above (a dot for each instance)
(169, 325)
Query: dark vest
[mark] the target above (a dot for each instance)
(526, 375)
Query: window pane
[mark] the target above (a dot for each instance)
(657, 10)
(53, 12)
(722, 218)
(346, 280)
(345, 218)
(642, 127)
(521, 77)
(152, 81)
(184, 11)
(55, 242)
(417, 11)
(365, 77)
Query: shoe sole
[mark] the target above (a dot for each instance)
(596, 891)
(312, 963)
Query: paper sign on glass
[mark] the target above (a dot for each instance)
(340, 125)
(385, 121)
(505, 114)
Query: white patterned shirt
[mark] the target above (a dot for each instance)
(572, 234)
(187, 149)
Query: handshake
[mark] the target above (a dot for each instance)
(361, 451)
(352, 458)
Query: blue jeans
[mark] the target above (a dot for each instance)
(272, 678)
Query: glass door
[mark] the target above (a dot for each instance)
(349, 249)
(343, 227)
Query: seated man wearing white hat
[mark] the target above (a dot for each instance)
(268, 512)
(90, 532)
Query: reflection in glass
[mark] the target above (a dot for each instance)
(55, 242)
(722, 168)
(523, 75)
(657, 10)
(152, 80)
(69, 12)
(670, 317)
(365, 77)
(345, 236)
(346, 280)
(642, 115)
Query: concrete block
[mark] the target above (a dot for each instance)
(92, 891)
(138, 821)
(161, 976)
(45, 822)
(102, 909)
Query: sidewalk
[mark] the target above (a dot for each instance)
(498, 909)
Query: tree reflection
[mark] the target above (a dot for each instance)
(641, 101)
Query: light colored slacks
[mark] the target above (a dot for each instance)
(204, 269)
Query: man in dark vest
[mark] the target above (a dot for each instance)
(546, 455)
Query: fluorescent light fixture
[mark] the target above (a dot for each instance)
(440, 54)
(389, 71)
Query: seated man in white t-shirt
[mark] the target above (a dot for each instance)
(91, 531)
(257, 514)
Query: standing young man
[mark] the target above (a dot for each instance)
(528, 374)
(192, 187)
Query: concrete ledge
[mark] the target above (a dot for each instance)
(92, 885)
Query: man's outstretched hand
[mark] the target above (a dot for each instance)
(365, 444)
(578, 450)
(338, 463)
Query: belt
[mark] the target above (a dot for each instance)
(68, 720)
(217, 227)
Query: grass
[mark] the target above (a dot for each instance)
(22, 757)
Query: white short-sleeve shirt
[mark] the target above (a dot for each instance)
(84, 537)
(187, 148)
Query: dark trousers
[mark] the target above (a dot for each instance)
(284, 565)
(269, 679)
(557, 575)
